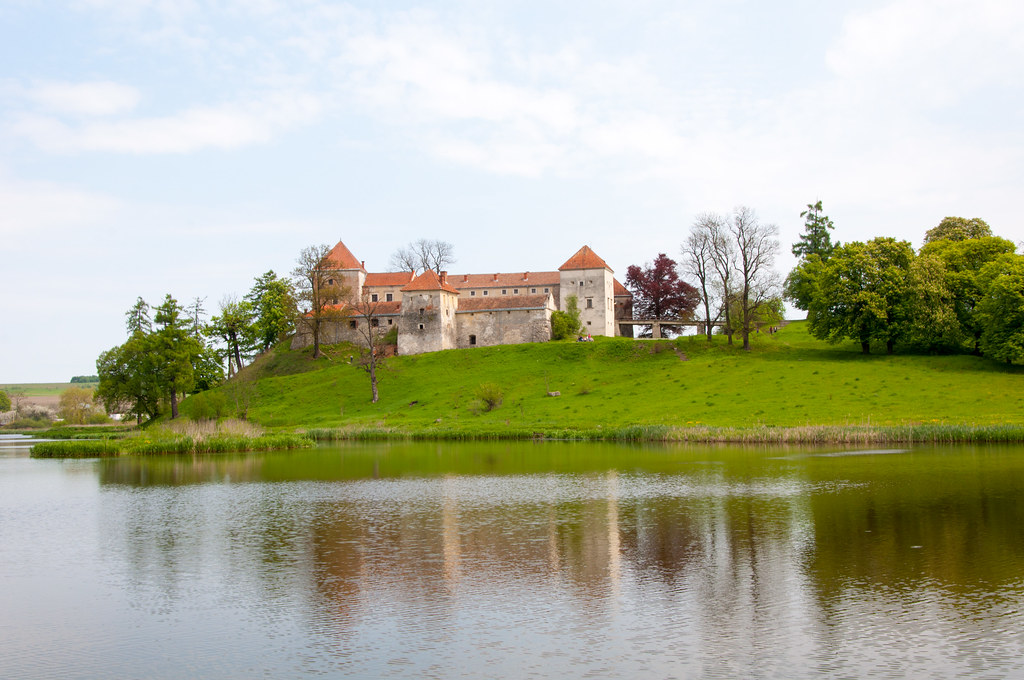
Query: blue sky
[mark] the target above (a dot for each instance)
(185, 147)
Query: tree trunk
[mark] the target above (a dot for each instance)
(865, 347)
(888, 346)
(174, 402)
(373, 377)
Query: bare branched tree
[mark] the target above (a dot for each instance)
(723, 262)
(698, 262)
(756, 248)
(366, 316)
(320, 290)
(422, 255)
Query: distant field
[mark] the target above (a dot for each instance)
(789, 380)
(42, 389)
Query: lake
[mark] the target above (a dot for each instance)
(515, 560)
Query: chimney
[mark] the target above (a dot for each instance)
(465, 278)
(495, 277)
(444, 278)
(363, 264)
(526, 276)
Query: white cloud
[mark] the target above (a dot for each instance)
(195, 129)
(102, 98)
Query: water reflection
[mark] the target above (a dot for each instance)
(519, 560)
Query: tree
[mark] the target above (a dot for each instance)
(566, 324)
(319, 288)
(659, 293)
(756, 248)
(958, 229)
(129, 382)
(175, 349)
(861, 293)
(959, 262)
(196, 313)
(372, 335)
(76, 405)
(234, 326)
(1001, 309)
(272, 300)
(815, 240)
(137, 318)
(5, 402)
(723, 261)
(422, 255)
(698, 262)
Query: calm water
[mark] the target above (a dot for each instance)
(515, 561)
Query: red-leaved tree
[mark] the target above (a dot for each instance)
(659, 293)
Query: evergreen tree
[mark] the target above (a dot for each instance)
(816, 239)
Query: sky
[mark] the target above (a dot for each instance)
(150, 147)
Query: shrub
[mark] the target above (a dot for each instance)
(5, 402)
(566, 324)
(490, 396)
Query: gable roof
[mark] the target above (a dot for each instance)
(499, 280)
(429, 280)
(388, 278)
(585, 258)
(620, 290)
(503, 303)
(343, 258)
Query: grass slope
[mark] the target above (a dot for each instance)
(788, 380)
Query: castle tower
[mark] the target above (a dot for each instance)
(427, 323)
(590, 279)
(351, 271)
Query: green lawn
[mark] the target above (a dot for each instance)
(42, 389)
(789, 379)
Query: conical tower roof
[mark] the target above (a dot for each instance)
(342, 258)
(585, 258)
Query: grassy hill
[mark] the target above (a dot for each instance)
(788, 380)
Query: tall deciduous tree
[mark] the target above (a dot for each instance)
(320, 290)
(958, 229)
(816, 239)
(698, 262)
(959, 262)
(234, 327)
(1001, 309)
(366, 315)
(862, 293)
(274, 309)
(75, 405)
(756, 249)
(129, 382)
(422, 255)
(659, 293)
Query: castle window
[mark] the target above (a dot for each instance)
(330, 282)
(374, 322)
(390, 297)
(335, 301)
(581, 284)
(588, 323)
(472, 293)
(590, 303)
(390, 322)
(421, 311)
(546, 290)
(504, 291)
(421, 326)
(352, 324)
(472, 340)
(373, 297)
(485, 292)
(534, 290)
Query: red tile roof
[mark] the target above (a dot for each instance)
(585, 258)
(343, 258)
(429, 280)
(502, 303)
(499, 280)
(389, 278)
(619, 289)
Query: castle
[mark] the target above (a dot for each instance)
(437, 311)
